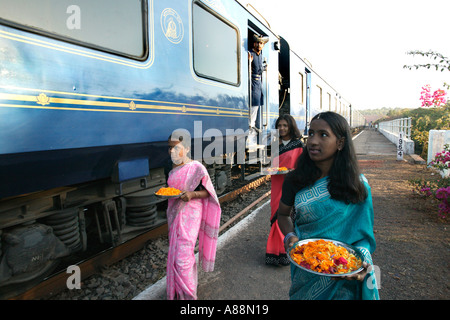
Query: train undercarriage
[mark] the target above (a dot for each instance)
(42, 230)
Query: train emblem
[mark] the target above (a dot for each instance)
(172, 25)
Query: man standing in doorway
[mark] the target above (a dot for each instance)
(256, 59)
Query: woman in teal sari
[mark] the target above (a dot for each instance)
(332, 200)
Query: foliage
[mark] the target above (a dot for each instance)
(442, 159)
(442, 62)
(422, 121)
(443, 194)
(372, 112)
(439, 189)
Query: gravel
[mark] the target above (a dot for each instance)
(127, 278)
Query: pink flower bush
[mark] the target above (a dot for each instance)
(440, 189)
(426, 190)
(443, 194)
(442, 159)
(436, 99)
(425, 96)
(439, 97)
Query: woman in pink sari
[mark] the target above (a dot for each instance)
(195, 214)
(290, 149)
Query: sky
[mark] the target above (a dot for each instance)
(359, 47)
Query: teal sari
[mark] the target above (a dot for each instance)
(319, 216)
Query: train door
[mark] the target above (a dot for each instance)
(284, 79)
(252, 31)
(308, 100)
(258, 101)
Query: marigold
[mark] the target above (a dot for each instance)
(168, 192)
(325, 257)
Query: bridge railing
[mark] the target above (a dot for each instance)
(397, 125)
(391, 129)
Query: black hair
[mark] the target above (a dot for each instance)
(293, 129)
(345, 181)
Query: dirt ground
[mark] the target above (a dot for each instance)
(412, 250)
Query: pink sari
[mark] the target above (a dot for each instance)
(187, 221)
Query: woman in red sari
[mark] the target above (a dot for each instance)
(290, 149)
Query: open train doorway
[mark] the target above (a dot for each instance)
(257, 76)
(284, 78)
(257, 93)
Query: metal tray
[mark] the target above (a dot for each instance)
(350, 248)
(266, 172)
(168, 197)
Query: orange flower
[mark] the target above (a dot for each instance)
(168, 192)
(325, 257)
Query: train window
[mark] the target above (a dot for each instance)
(116, 26)
(216, 46)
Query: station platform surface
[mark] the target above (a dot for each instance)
(372, 142)
(240, 271)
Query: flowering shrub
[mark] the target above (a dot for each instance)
(443, 194)
(436, 99)
(439, 97)
(442, 159)
(425, 96)
(439, 189)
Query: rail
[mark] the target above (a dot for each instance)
(396, 126)
(391, 130)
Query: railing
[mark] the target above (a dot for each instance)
(397, 125)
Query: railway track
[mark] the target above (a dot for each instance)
(235, 205)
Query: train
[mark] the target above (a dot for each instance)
(90, 91)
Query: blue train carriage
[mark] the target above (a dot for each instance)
(89, 94)
(303, 92)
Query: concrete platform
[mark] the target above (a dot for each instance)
(371, 142)
(240, 271)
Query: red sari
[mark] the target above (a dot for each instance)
(288, 155)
